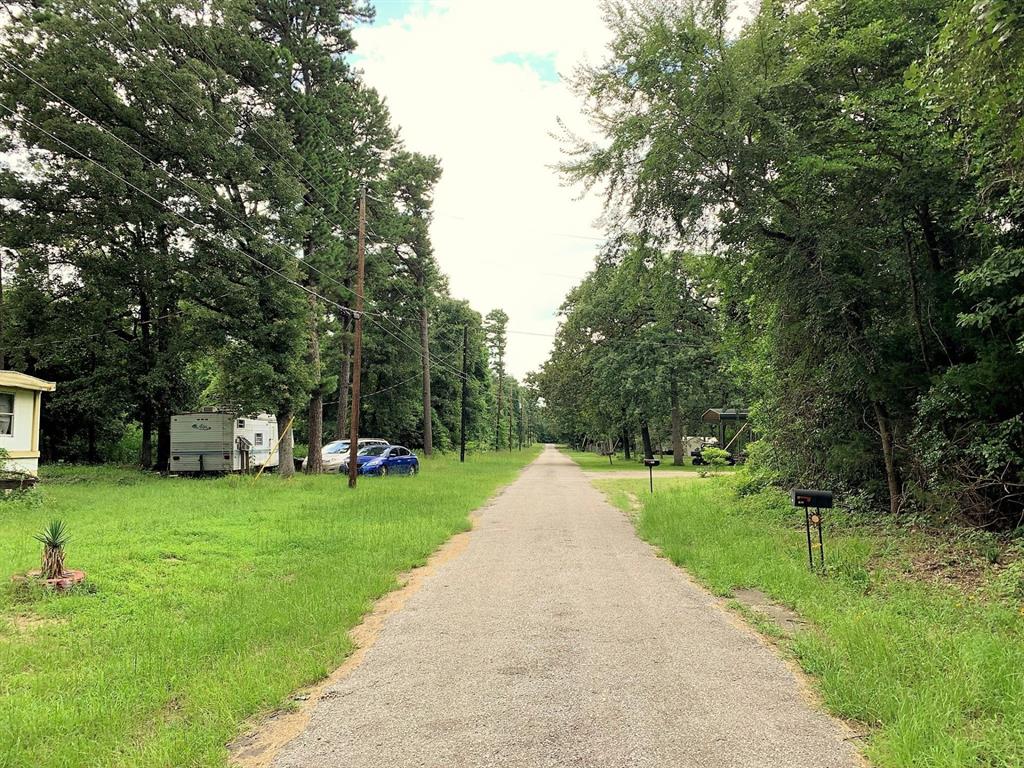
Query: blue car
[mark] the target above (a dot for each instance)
(383, 460)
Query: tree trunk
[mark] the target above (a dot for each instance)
(146, 454)
(161, 398)
(625, 444)
(888, 452)
(428, 411)
(314, 460)
(645, 435)
(344, 382)
(915, 301)
(677, 425)
(3, 357)
(285, 448)
(163, 443)
(92, 455)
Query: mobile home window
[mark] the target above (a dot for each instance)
(6, 413)
(258, 437)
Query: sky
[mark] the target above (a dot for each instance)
(479, 84)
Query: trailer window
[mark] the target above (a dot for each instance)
(6, 413)
(258, 438)
(241, 423)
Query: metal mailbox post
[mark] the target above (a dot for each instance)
(807, 498)
(651, 464)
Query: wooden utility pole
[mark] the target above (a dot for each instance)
(357, 361)
(428, 411)
(465, 393)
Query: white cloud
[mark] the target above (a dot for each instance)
(506, 232)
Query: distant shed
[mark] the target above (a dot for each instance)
(21, 405)
(722, 418)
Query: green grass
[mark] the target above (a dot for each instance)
(936, 675)
(593, 462)
(209, 601)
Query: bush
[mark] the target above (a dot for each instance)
(716, 458)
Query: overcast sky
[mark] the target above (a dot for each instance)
(477, 83)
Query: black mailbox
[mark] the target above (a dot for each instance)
(651, 463)
(805, 497)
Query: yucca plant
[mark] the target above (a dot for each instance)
(53, 538)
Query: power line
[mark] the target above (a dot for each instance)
(109, 332)
(299, 106)
(164, 205)
(228, 105)
(203, 194)
(319, 135)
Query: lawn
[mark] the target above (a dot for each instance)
(208, 601)
(593, 462)
(934, 674)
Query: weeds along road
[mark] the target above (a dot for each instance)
(558, 638)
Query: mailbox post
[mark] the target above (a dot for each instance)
(819, 500)
(651, 464)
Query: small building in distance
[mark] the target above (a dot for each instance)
(21, 405)
(731, 429)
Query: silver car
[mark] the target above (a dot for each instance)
(335, 453)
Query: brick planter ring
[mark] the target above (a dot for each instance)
(65, 581)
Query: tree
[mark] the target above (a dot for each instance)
(411, 183)
(821, 182)
(634, 345)
(496, 330)
(129, 197)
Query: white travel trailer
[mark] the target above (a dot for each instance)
(212, 440)
(20, 408)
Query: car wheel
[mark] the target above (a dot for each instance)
(383, 471)
(415, 469)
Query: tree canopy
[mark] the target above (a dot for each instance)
(846, 176)
(180, 194)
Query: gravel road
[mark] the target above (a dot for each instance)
(558, 638)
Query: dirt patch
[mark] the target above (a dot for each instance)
(757, 601)
(959, 569)
(258, 747)
(29, 623)
(969, 567)
(635, 505)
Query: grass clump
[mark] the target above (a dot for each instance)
(932, 670)
(210, 601)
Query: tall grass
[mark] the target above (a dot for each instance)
(210, 601)
(937, 677)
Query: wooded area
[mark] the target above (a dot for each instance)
(821, 216)
(179, 230)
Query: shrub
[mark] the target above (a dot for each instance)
(716, 458)
(53, 538)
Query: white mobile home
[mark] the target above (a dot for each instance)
(217, 441)
(21, 405)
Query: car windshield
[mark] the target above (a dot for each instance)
(374, 450)
(336, 448)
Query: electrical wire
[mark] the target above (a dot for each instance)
(173, 212)
(295, 101)
(201, 195)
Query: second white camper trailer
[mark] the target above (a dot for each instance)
(218, 441)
